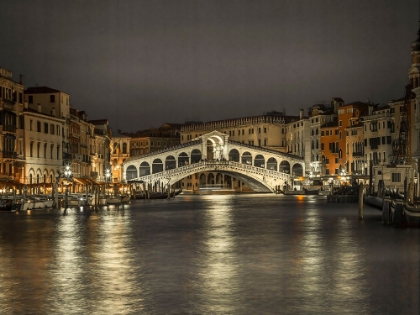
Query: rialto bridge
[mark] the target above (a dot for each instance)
(263, 170)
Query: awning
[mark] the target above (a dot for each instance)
(82, 181)
(9, 183)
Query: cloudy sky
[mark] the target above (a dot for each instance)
(143, 63)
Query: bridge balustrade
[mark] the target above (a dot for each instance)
(217, 165)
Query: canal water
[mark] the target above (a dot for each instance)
(231, 254)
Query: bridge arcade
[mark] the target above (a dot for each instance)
(260, 168)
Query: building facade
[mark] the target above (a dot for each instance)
(11, 130)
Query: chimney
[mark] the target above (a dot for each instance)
(21, 79)
(301, 113)
(39, 108)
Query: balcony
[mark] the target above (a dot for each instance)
(8, 154)
(7, 104)
(66, 156)
(357, 154)
(10, 128)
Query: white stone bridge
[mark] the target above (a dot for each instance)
(263, 170)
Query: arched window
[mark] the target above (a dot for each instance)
(170, 162)
(297, 170)
(131, 172)
(259, 161)
(284, 167)
(272, 164)
(195, 156)
(234, 155)
(157, 166)
(144, 169)
(246, 158)
(183, 159)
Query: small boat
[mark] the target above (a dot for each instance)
(125, 199)
(6, 204)
(86, 200)
(311, 191)
(177, 192)
(399, 213)
(114, 200)
(157, 195)
(72, 200)
(42, 201)
(102, 200)
(374, 201)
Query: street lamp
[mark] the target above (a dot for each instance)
(68, 175)
(107, 176)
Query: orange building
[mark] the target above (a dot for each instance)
(329, 147)
(334, 144)
(348, 115)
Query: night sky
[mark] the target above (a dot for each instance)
(143, 63)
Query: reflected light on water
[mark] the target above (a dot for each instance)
(348, 278)
(68, 265)
(116, 272)
(219, 260)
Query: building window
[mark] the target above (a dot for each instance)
(52, 98)
(51, 151)
(31, 99)
(45, 150)
(52, 131)
(396, 177)
(38, 126)
(58, 152)
(31, 149)
(30, 125)
(45, 127)
(38, 145)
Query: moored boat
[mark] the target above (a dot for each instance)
(311, 191)
(113, 200)
(6, 204)
(399, 213)
(374, 201)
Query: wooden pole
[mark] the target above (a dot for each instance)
(411, 193)
(87, 195)
(361, 201)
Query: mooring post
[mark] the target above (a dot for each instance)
(411, 193)
(361, 201)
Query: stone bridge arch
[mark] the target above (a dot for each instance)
(251, 163)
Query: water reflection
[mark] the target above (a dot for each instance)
(219, 263)
(117, 274)
(208, 255)
(348, 272)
